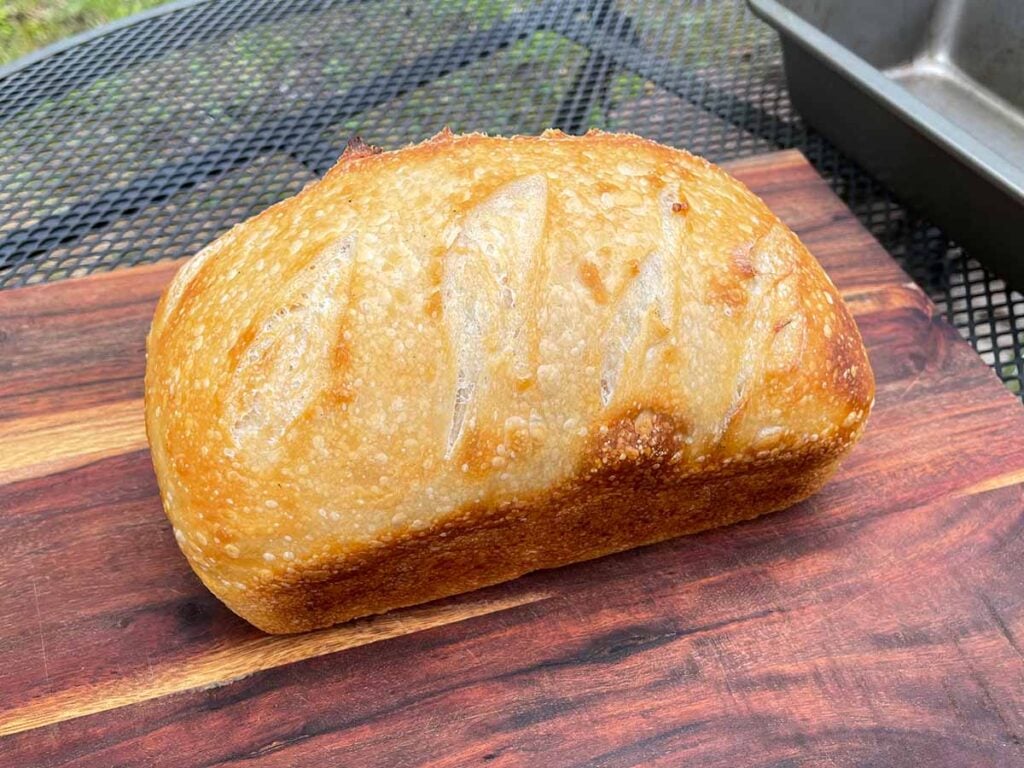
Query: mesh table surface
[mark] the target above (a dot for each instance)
(145, 141)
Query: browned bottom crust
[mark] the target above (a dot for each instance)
(484, 546)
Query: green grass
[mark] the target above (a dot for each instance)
(1011, 376)
(29, 24)
(26, 25)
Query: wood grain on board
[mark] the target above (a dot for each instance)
(879, 623)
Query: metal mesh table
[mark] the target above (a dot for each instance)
(145, 140)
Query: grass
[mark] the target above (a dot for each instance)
(26, 25)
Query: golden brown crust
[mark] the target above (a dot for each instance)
(442, 367)
(481, 546)
(356, 148)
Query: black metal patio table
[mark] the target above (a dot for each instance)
(145, 139)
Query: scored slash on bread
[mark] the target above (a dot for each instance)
(445, 366)
(486, 294)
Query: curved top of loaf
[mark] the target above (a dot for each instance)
(474, 320)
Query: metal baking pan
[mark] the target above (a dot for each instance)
(928, 95)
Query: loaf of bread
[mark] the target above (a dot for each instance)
(445, 366)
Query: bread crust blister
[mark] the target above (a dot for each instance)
(442, 367)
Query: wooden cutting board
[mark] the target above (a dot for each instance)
(880, 623)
